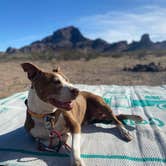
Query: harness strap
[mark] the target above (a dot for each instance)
(51, 147)
(59, 136)
(52, 135)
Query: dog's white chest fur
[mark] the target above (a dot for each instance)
(40, 131)
(36, 105)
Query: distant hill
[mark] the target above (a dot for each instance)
(71, 39)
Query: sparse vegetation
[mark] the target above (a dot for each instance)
(101, 70)
(78, 55)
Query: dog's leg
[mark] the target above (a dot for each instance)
(76, 160)
(75, 129)
(99, 110)
(126, 135)
(123, 131)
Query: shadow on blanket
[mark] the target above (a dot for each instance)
(21, 141)
(88, 129)
(17, 145)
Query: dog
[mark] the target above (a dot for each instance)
(51, 93)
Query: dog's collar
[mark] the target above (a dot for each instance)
(35, 115)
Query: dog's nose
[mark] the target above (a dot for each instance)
(75, 92)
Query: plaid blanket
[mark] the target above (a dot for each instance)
(100, 143)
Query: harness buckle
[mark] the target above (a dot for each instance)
(49, 122)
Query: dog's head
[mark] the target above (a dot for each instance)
(51, 87)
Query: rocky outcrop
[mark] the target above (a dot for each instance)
(151, 67)
(117, 47)
(144, 43)
(11, 50)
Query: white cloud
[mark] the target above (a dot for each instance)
(126, 25)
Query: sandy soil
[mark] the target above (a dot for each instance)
(97, 71)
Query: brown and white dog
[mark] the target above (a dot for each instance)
(52, 93)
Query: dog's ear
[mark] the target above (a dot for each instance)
(32, 70)
(57, 69)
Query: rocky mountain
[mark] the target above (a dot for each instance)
(70, 38)
(144, 43)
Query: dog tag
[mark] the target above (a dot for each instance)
(48, 122)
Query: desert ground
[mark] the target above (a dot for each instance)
(102, 70)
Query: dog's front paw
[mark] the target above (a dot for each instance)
(78, 162)
(125, 133)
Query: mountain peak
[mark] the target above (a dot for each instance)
(145, 38)
(68, 28)
(70, 33)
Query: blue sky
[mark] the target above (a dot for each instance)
(24, 21)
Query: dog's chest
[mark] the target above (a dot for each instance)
(40, 129)
(36, 105)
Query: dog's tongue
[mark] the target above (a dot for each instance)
(65, 105)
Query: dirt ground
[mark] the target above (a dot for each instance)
(96, 71)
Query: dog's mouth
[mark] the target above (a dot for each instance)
(68, 105)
